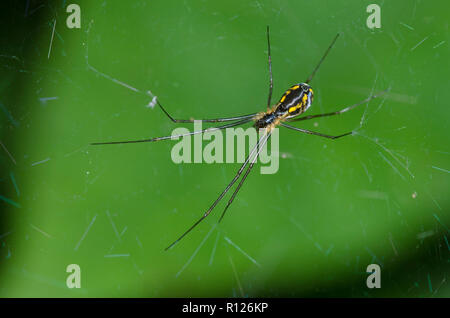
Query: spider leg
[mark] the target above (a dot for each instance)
(241, 122)
(222, 194)
(244, 177)
(215, 120)
(313, 132)
(322, 59)
(270, 70)
(346, 109)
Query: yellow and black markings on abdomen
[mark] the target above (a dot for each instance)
(293, 102)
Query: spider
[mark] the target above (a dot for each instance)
(294, 102)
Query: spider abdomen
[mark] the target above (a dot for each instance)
(295, 100)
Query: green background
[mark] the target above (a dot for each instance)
(334, 207)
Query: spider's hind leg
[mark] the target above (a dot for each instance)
(309, 132)
(269, 99)
(214, 120)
